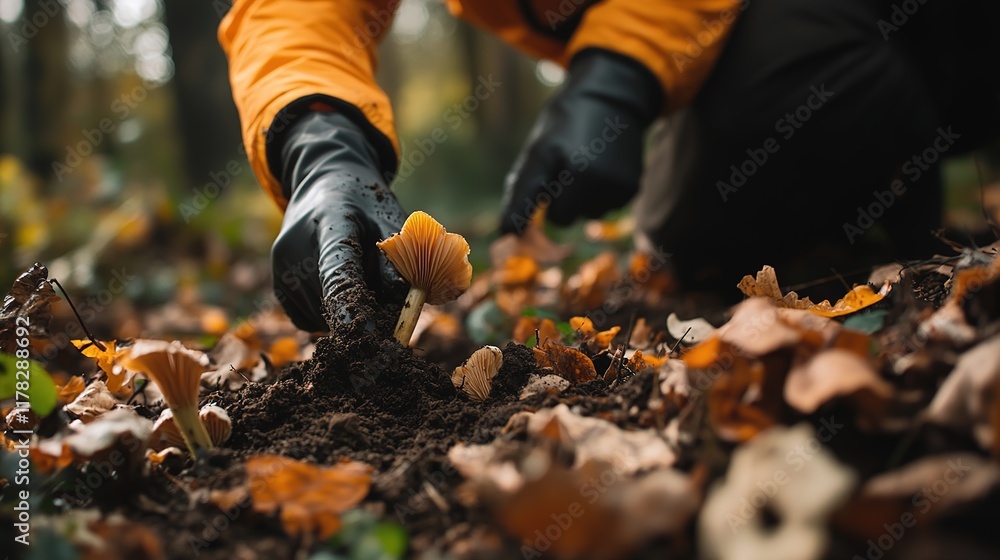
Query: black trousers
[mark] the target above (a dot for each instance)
(816, 143)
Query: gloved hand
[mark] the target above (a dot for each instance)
(339, 206)
(584, 155)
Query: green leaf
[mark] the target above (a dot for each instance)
(565, 329)
(539, 312)
(40, 389)
(867, 323)
(385, 541)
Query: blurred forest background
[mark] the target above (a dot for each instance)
(120, 152)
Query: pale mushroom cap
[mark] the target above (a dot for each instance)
(175, 369)
(475, 376)
(430, 258)
(217, 423)
(165, 432)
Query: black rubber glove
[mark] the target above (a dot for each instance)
(584, 155)
(338, 207)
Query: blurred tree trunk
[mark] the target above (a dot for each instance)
(207, 118)
(46, 79)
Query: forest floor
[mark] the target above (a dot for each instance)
(623, 423)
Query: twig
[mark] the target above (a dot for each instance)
(90, 335)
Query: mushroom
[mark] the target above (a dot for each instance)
(433, 261)
(475, 376)
(165, 432)
(177, 371)
(217, 422)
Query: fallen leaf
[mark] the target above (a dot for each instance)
(531, 243)
(594, 340)
(106, 360)
(94, 401)
(568, 363)
(119, 429)
(517, 270)
(966, 398)
(72, 389)
(837, 373)
(284, 350)
(766, 285)
(309, 497)
(27, 305)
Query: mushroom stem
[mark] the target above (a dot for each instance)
(415, 299)
(193, 430)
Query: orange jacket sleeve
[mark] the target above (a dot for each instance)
(283, 51)
(677, 40)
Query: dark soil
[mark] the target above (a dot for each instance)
(364, 397)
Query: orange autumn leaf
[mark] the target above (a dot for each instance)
(106, 360)
(525, 329)
(568, 363)
(595, 340)
(640, 362)
(589, 287)
(72, 389)
(309, 497)
(766, 285)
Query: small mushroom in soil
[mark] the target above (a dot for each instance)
(217, 422)
(165, 432)
(177, 371)
(475, 376)
(433, 261)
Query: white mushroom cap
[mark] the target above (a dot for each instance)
(475, 376)
(430, 258)
(165, 432)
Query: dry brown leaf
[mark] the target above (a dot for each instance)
(309, 497)
(966, 399)
(29, 298)
(568, 363)
(120, 429)
(836, 373)
(766, 285)
(94, 401)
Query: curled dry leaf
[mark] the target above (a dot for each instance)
(121, 428)
(29, 298)
(766, 285)
(106, 360)
(594, 339)
(92, 402)
(733, 522)
(568, 363)
(310, 498)
(966, 400)
(475, 376)
(837, 373)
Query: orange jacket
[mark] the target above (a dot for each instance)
(283, 50)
